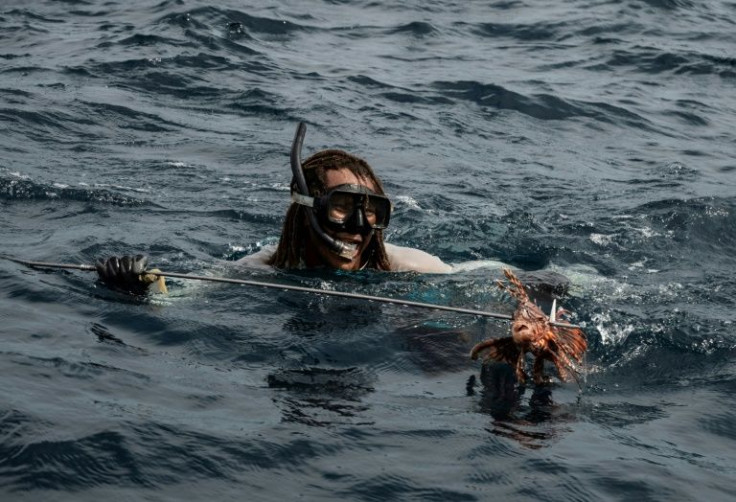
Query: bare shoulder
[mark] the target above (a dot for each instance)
(259, 259)
(405, 259)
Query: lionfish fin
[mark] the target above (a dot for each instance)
(572, 342)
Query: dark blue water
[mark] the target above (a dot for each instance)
(595, 139)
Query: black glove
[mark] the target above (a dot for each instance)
(124, 273)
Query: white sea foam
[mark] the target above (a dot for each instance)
(601, 239)
(408, 200)
(610, 331)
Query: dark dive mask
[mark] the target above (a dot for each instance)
(349, 208)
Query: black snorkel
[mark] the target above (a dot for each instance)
(334, 245)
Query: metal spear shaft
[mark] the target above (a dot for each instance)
(287, 287)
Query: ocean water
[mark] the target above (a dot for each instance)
(593, 139)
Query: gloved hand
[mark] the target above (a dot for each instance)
(128, 273)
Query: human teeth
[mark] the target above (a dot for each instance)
(349, 249)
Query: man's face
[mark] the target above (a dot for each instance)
(317, 252)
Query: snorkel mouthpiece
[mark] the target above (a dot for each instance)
(343, 249)
(347, 250)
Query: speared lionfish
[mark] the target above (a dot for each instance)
(533, 331)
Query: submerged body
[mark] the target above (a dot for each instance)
(532, 331)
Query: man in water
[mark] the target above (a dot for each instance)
(336, 219)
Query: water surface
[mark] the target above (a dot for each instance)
(594, 139)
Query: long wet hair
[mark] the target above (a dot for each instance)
(296, 234)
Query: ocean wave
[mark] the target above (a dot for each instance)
(230, 19)
(655, 61)
(706, 222)
(18, 189)
(417, 29)
(523, 32)
(539, 106)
